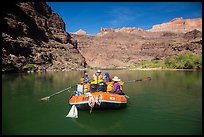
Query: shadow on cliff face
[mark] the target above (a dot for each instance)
(17, 49)
(39, 7)
(12, 11)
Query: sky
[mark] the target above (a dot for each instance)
(91, 16)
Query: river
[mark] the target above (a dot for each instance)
(169, 104)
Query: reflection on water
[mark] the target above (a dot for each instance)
(171, 103)
(95, 123)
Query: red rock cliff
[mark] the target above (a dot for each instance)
(179, 25)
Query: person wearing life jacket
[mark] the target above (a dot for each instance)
(108, 80)
(97, 83)
(80, 87)
(85, 82)
(97, 77)
(117, 86)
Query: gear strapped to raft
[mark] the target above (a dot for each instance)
(92, 101)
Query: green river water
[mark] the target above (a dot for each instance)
(169, 104)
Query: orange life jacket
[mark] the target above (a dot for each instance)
(109, 86)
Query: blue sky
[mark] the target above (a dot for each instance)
(91, 16)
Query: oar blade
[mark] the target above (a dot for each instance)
(45, 98)
(148, 78)
(126, 96)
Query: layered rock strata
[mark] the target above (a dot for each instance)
(179, 25)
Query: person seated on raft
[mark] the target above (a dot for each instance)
(84, 85)
(80, 87)
(117, 86)
(98, 84)
(97, 77)
(86, 78)
(107, 77)
(108, 80)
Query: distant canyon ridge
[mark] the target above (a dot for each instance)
(125, 46)
(34, 37)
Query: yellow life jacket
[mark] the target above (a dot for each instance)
(93, 82)
(97, 79)
(86, 87)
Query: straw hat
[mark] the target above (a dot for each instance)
(116, 79)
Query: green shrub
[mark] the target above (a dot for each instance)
(30, 66)
(184, 61)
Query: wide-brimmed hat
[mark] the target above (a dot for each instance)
(116, 78)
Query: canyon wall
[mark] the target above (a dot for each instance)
(34, 36)
(123, 47)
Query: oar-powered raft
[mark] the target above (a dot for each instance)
(99, 99)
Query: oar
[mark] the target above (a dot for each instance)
(131, 81)
(136, 80)
(126, 96)
(47, 98)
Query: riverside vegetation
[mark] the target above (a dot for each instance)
(180, 61)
